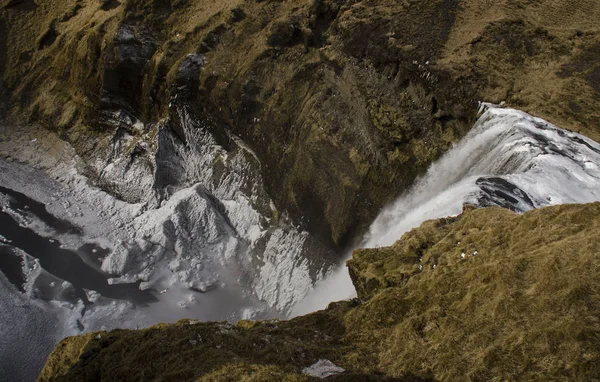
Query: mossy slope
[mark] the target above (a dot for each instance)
(342, 101)
(524, 307)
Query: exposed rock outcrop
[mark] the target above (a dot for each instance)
(488, 294)
(341, 101)
(337, 106)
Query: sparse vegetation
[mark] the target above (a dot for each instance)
(345, 100)
(522, 304)
(342, 102)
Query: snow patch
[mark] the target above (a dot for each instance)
(322, 369)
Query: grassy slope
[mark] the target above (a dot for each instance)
(526, 307)
(343, 101)
(540, 56)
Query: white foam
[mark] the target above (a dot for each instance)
(551, 165)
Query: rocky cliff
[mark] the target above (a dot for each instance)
(487, 295)
(342, 101)
(300, 120)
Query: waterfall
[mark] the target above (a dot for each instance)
(509, 159)
(216, 231)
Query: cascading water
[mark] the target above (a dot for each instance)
(509, 159)
(209, 247)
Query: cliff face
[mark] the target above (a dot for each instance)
(487, 295)
(341, 101)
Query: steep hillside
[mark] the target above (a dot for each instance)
(488, 295)
(342, 101)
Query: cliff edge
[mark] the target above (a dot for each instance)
(487, 295)
(342, 101)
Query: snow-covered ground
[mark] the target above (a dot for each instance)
(192, 234)
(198, 236)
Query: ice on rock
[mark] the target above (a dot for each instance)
(182, 218)
(145, 285)
(132, 257)
(187, 234)
(92, 295)
(245, 219)
(285, 274)
(248, 314)
(230, 230)
(196, 231)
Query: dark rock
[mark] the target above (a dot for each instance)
(47, 38)
(125, 69)
(212, 39)
(107, 5)
(281, 34)
(26, 5)
(188, 74)
(237, 15)
(177, 4)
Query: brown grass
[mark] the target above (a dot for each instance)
(526, 307)
(348, 100)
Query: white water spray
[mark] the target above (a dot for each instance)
(509, 158)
